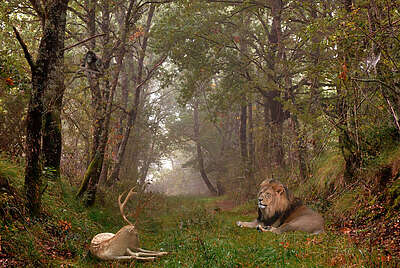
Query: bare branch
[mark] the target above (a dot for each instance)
(155, 2)
(150, 73)
(373, 81)
(28, 56)
(83, 41)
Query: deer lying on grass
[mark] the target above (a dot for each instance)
(121, 246)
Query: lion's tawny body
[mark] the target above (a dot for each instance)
(279, 211)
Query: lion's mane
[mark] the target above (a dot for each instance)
(282, 206)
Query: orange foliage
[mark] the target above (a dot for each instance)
(9, 81)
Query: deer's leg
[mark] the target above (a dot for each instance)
(146, 253)
(133, 257)
(157, 253)
(123, 257)
(140, 255)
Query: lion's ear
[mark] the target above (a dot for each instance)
(280, 189)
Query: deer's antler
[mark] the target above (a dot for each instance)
(122, 205)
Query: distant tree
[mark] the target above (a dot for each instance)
(196, 137)
(141, 79)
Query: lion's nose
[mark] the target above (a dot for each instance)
(259, 199)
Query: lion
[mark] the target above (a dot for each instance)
(279, 211)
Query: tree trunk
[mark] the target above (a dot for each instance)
(104, 170)
(244, 154)
(196, 130)
(109, 89)
(135, 109)
(49, 56)
(53, 97)
(267, 155)
(52, 140)
(221, 162)
(276, 113)
(301, 150)
(121, 150)
(101, 100)
(277, 117)
(243, 136)
(90, 172)
(148, 159)
(252, 155)
(33, 181)
(347, 143)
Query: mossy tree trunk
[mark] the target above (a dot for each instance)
(50, 54)
(52, 140)
(90, 172)
(103, 96)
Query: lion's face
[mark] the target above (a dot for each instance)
(272, 198)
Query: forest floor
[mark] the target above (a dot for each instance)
(196, 231)
(201, 232)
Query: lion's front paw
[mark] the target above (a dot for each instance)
(239, 223)
(263, 229)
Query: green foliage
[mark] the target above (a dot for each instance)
(326, 178)
(14, 86)
(10, 171)
(378, 140)
(319, 74)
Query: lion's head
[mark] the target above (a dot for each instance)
(274, 199)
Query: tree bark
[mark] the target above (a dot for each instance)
(49, 53)
(301, 150)
(101, 100)
(52, 140)
(148, 159)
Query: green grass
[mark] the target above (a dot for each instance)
(191, 229)
(197, 236)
